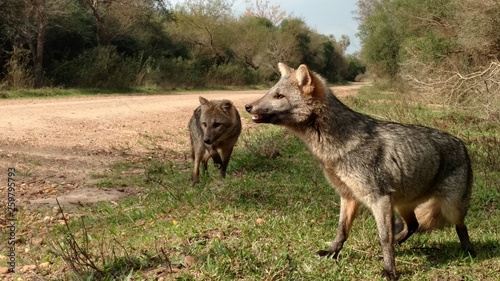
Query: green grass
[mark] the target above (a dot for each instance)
(274, 210)
(78, 92)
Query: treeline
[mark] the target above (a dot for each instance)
(446, 49)
(129, 43)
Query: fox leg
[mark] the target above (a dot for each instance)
(410, 224)
(463, 235)
(215, 156)
(200, 159)
(348, 210)
(205, 165)
(204, 162)
(384, 217)
(456, 215)
(195, 176)
(196, 172)
(226, 155)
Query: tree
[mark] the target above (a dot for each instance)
(286, 44)
(451, 52)
(380, 34)
(27, 22)
(264, 9)
(366, 8)
(203, 26)
(344, 42)
(355, 67)
(134, 42)
(253, 34)
(114, 18)
(445, 49)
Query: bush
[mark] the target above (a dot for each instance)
(179, 72)
(103, 67)
(18, 74)
(230, 75)
(354, 68)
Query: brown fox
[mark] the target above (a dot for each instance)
(215, 126)
(421, 173)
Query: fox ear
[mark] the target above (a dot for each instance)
(284, 69)
(312, 85)
(226, 105)
(303, 76)
(204, 101)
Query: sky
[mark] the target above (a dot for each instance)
(325, 16)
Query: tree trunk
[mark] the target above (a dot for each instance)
(38, 48)
(38, 55)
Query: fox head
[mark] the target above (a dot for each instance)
(216, 117)
(293, 100)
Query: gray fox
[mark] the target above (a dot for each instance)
(421, 173)
(214, 127)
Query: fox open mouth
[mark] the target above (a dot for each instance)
(263, 118)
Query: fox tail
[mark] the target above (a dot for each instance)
(430, 215)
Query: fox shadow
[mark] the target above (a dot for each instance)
(443, 253)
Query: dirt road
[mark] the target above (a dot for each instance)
(57, 144)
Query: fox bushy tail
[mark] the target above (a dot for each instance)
(433, 213)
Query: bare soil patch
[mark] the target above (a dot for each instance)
(56, 145)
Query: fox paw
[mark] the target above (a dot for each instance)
(390, 275)
(327, 253)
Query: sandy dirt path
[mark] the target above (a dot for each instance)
(57, 144)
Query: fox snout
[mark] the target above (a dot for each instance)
(209, 137)
(248, 108)
(260, 114)
(207, 140)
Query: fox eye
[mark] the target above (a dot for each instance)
(216, 125)
(279, 96)
(204, 124)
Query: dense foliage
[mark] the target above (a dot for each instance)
(449, 49)
(127, 43)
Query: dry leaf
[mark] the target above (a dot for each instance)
(189, 260)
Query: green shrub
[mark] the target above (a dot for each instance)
(103, 67)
